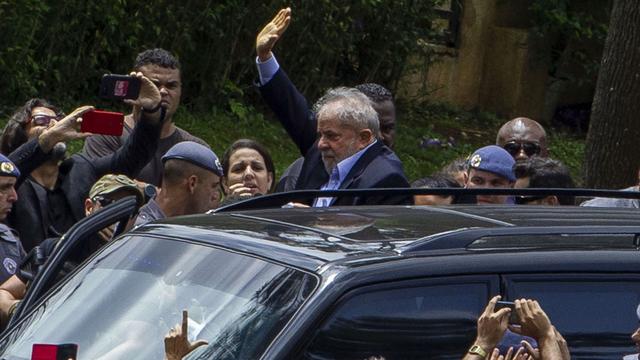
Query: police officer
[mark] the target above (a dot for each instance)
(190, 183)
(11, 250)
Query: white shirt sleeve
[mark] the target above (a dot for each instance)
(267, 69)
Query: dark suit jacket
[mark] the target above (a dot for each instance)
(76, 176)
(378, 167)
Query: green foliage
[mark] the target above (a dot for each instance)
(59, 49)
(465, 130)
(570, 150)
(576, 27)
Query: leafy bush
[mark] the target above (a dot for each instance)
(576, 27)
(59, 49)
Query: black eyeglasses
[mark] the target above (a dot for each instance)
(524, 200)
(103, 201)
(529, 148)
(42, 119)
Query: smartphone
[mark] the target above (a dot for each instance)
(54, 352)
(102, 122)
(114, 86)
(513, 317)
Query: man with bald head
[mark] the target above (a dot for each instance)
(523, 138)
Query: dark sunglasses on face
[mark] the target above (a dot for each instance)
(103, 201)
(43, 120)
(529, 148)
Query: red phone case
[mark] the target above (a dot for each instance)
(54, 352)
(102, 122)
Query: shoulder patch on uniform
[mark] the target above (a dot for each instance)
(10, 265)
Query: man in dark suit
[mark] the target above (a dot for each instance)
(338, 139)
(382, 99)
(340, 145)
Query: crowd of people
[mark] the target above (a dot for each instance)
(346, 141)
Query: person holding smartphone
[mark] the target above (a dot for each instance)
(52, 188)
(533, 322)
(161, 67)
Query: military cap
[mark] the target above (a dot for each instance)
(110, 183)
(495, 160)
(7, 168)
(196, 154)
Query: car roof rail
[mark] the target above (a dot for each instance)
(280, 199)
(462, 238)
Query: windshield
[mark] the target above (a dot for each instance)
(123, 303)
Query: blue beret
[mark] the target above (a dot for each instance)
(495, 160)
(7, 168)
(196, 154)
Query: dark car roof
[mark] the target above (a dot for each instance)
(310, 238)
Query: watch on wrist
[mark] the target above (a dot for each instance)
(477, 350)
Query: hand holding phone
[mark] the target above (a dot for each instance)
(513, 316)
(102, 122)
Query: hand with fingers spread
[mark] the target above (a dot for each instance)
(491, 327)
(176, 343)
(64, 130)
(270, 34)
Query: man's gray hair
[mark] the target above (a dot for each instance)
(355, 109)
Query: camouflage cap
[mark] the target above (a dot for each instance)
(111, 183)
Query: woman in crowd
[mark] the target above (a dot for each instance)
(248, 170)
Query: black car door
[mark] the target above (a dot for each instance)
(431, 318)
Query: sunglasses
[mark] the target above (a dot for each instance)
(523, 200)
(43, 120)
(529, 148)
(103, 201)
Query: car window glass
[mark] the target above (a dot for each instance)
(417, 322)
(596, 317)
(128, 297)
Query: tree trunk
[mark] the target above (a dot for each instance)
(613, 141)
